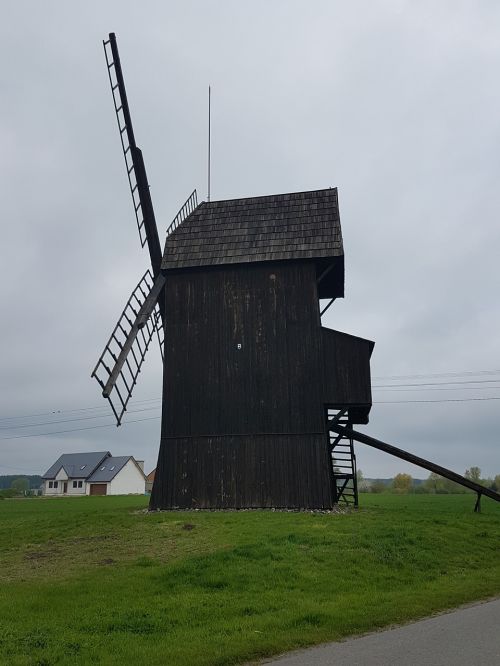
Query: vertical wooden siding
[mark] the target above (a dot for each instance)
(280, 471)
(272, 383)
(243, 426)
(346, 369)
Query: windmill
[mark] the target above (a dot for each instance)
(259, 398)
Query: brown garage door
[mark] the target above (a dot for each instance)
(98, 488)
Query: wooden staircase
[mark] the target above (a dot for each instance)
(343, 461)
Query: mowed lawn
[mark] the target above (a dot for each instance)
(97, 580)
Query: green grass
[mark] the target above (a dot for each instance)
(99, 581)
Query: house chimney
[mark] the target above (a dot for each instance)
(141, 464)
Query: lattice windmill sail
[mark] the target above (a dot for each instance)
(134, 163)
(143, 316)
(259, 398)
(120, 363)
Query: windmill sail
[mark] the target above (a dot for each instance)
(120, 363)
(144, 314)
(136, 171)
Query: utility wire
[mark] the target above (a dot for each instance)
(68, 411)
(59, 432)
(153, 418)
(465, 373)
(437, 388)
(467, 381)
(149, 400)
(81, 418)
(401, 402)
(389, 387)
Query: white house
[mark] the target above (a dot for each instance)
(97, 473)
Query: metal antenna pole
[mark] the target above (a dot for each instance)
(209, 91)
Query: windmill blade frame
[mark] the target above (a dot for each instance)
(121, 361)
(144, 314)
(134, 162)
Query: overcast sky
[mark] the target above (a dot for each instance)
(395, 103)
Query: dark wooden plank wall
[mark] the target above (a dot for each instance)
(346, 370)
(280, 471)
(271, 384)
(248, 419)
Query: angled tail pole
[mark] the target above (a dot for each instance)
(416, 460)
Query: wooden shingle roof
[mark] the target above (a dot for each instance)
(301, 225)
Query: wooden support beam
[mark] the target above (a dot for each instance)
(335, 442)
(327, 306)
(416, 460)
(332, 423)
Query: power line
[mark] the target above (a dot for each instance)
(81, 418)
(467, 381)
(59, 432)
(400, 402)
(383, 387)
(153, 418)
(68, 411)
(465, 373)
(436, 388)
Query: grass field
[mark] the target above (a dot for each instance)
(97, 580)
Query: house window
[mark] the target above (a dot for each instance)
(56, 483)
(51, 484)
(80, 484)
(74, 484)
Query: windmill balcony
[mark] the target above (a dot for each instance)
(346, 376)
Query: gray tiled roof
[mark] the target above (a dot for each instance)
(300, 225)
(73, 463)
(109, 469)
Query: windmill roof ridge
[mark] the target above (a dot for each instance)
(272, 196)
(295, 225)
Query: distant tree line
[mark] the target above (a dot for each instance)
(19, 486)
(403, 483)
(34, 480)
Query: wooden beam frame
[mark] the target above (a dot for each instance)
(420, 462)
(327, 306)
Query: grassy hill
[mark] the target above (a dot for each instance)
(99, 580)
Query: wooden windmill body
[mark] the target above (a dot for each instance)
(259, 399)
(249, 371)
